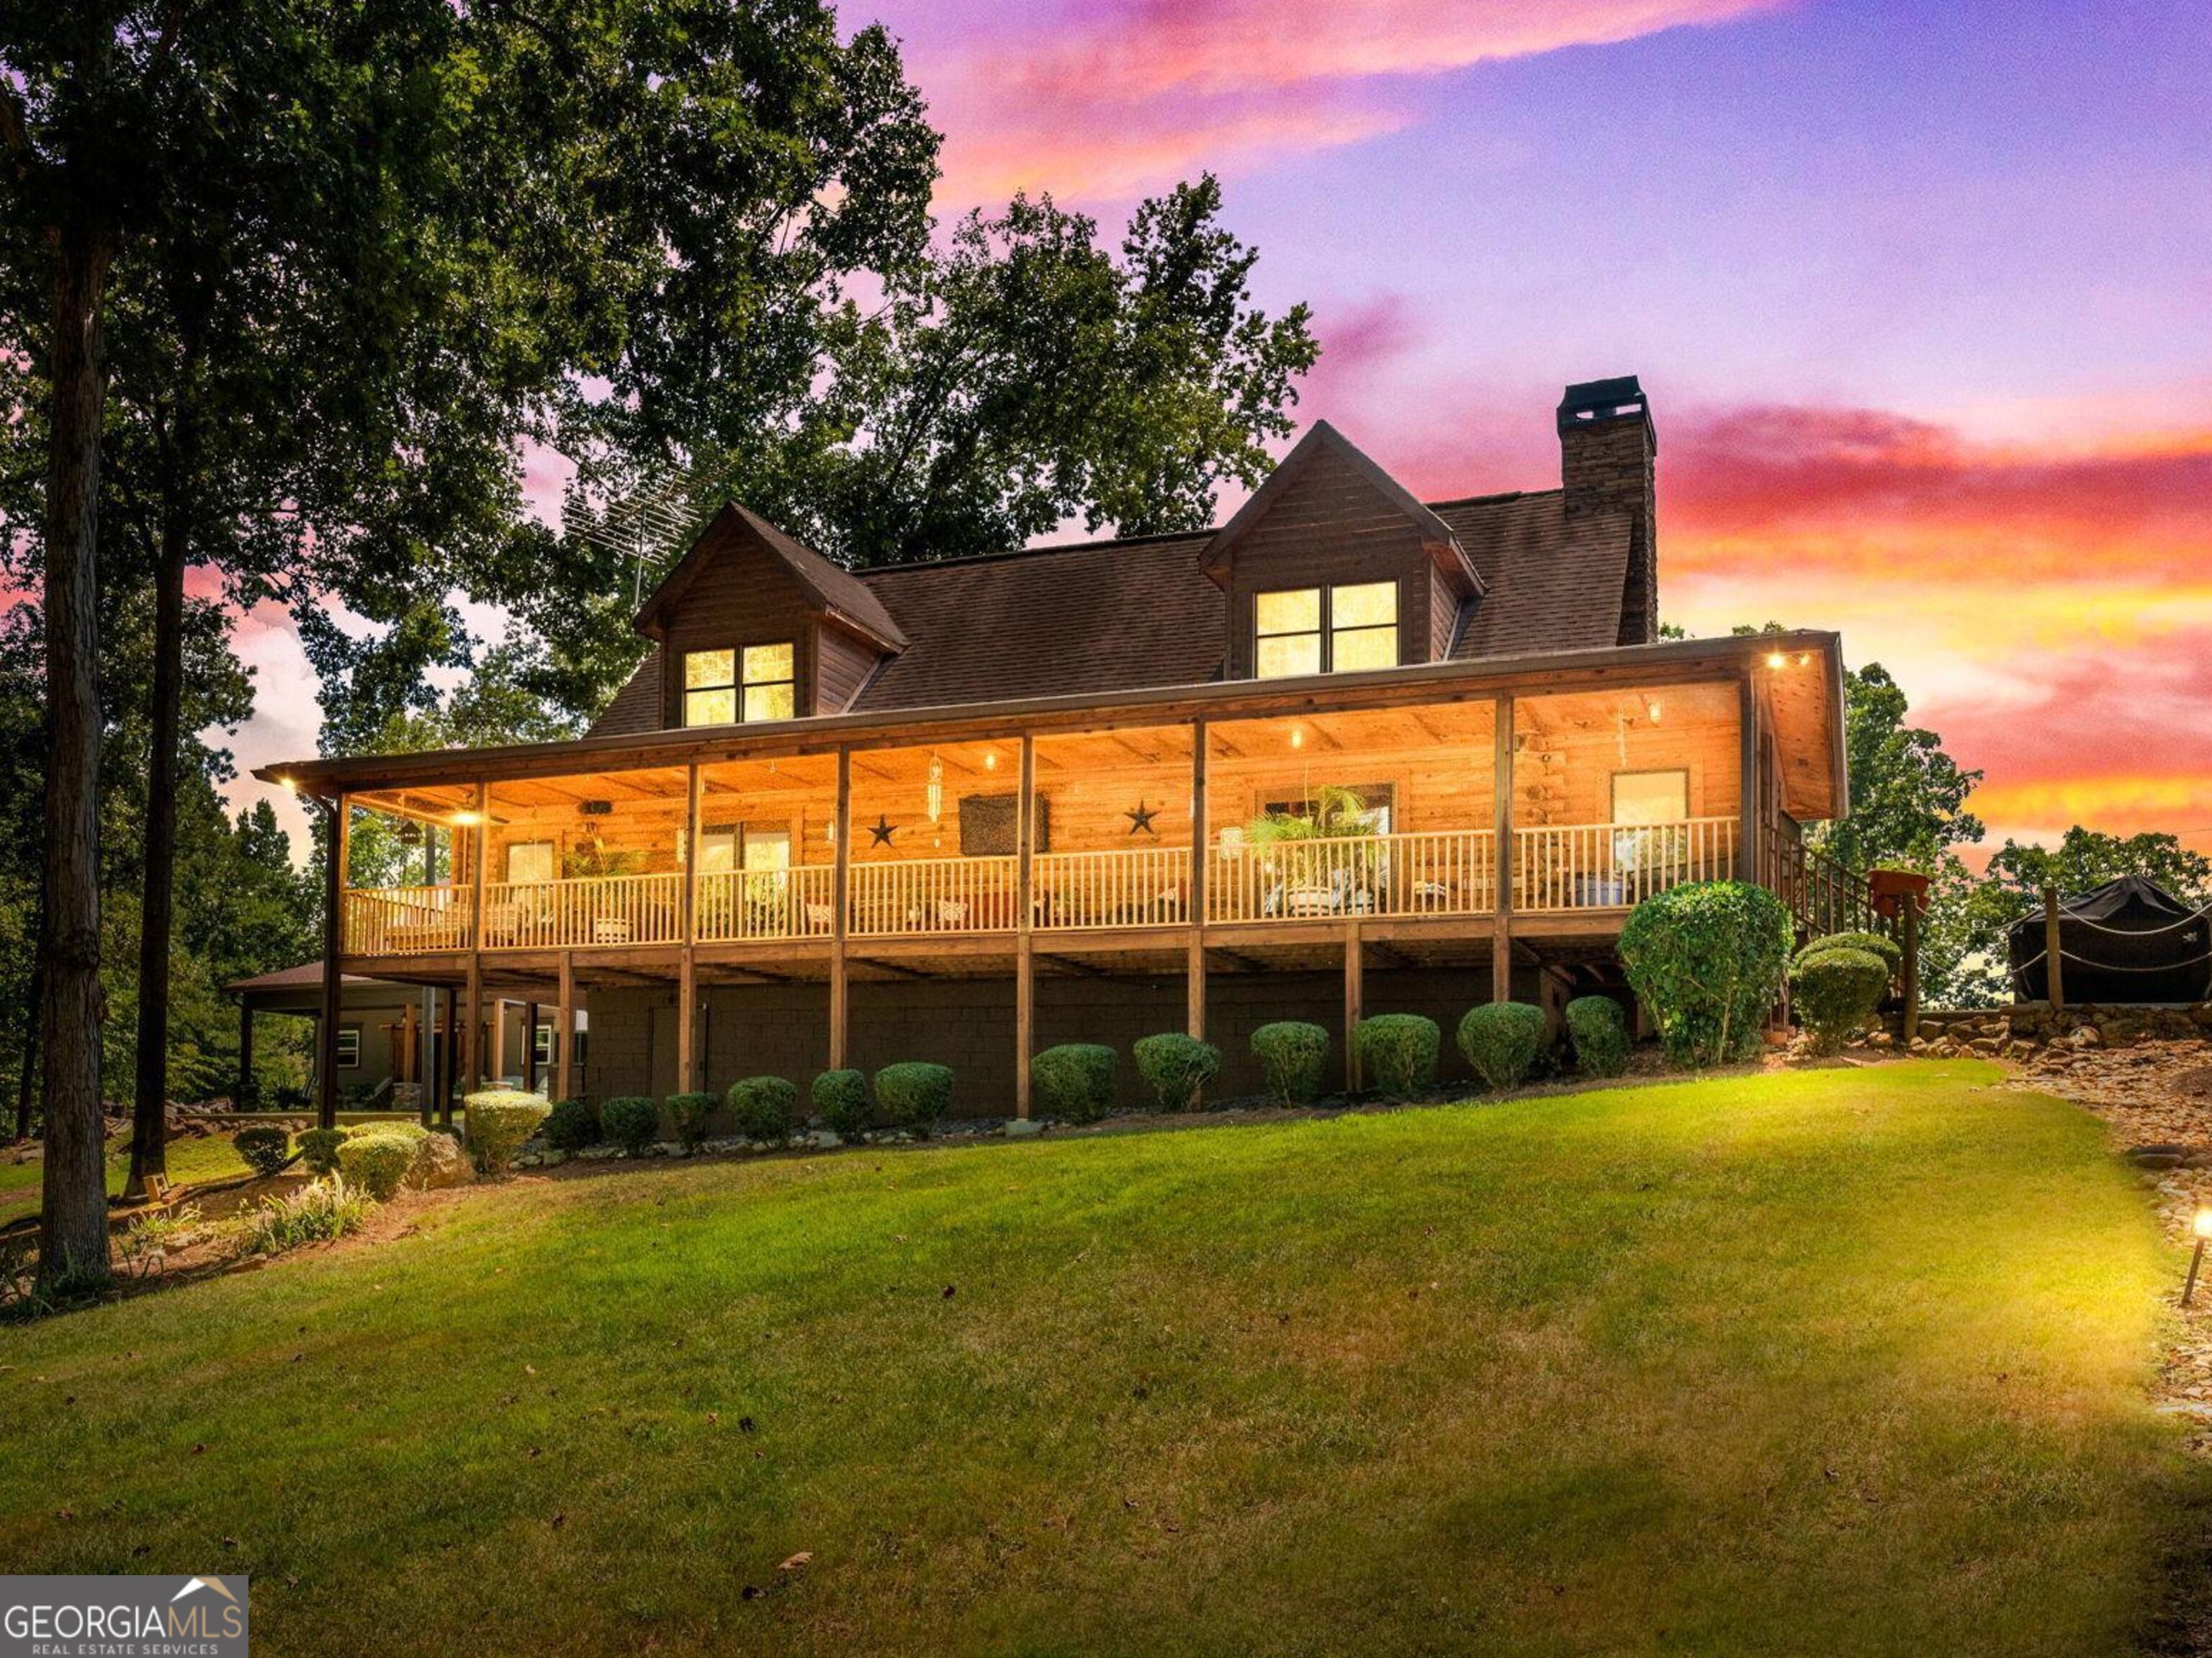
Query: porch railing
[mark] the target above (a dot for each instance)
(1595, 866)
(1135, 886)
(1557, 867)
(406, 920)
(1442, 872)
(747, 904)
(604, 910)
(931, 895)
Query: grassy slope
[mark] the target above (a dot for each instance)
(210, 1157)
(1822, 1362)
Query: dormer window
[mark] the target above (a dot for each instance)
(759, 682)
(1334, 630)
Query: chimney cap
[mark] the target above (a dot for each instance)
(1603, 402)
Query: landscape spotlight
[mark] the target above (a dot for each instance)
(2201, 1226)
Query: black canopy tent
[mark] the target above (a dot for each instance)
(2128, 941)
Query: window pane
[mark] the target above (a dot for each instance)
(1650, 796)
(710, 707)
(1370, 604)
(1294, 653)
(1353, 648)
(718, 851)
(1294, 612)
(769, 702)
(530, 860)
(709, 668)
(767, 849)
(764, 664)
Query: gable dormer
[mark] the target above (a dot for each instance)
(753, 627)
(1334, 566)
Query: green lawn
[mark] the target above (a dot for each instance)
(208, 1158)
(1835, 1361)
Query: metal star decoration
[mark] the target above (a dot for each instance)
(1142, 819)
(883, 829)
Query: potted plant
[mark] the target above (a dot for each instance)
(1316, 880)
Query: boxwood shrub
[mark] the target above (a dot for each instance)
(1503, 1040)
(764, 1108)
(1878, 944)
(1294, 1057)
(914, 1095)
(688, 1114)
(1835, 991)
(631, 1121)
(499, 1121)
(1599, 1032)
(1074, 1081)
(264, 1148)
(570, 1126)
(1176, 1068)
(376, 1161)
(1708, 959)
(319, 1148)
(1397, 1053)
(840, 1099)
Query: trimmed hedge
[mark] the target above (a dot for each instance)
(765, 1108)
(1708, 960)
(499, 1121)
(631, 1121)
(1878, 944)
(914, 1095)
(570, 1126)
(1599, 1032)
(1503, 1040)
(688, 1114)
(1836, 991)
(840, 1099)
(264, 1148)
(1075, 1081)
(1294, 1056)
(1176, 1068)
(1397, 1053)
(319, 1148)
(377, 1162)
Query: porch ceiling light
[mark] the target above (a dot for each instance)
(1298, 736)
(468, 820)
(1651, 708)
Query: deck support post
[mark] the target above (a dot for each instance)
(1501, 932)
(529, 1047)
(564, 1059)
(410, 1066)
(498, 1072)
(1908, 930)
(2053, 955)
(687, 1019)
(245, 1052)
(1201, 854)
(333, 999)
(1355, 989)
(473, 1015)
(1024, 923)
(841, 990)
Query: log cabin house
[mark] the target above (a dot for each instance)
(1350, 752)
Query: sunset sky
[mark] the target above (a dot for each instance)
(1921, 296)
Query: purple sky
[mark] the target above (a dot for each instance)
(1921, 296)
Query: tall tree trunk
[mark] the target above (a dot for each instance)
(74, 1192)
(33, 1013)
(149, 1128)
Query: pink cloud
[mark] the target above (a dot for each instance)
(1113, 99)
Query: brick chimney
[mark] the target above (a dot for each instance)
(1608, 448)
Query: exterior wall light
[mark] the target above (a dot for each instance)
(1777, 660)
